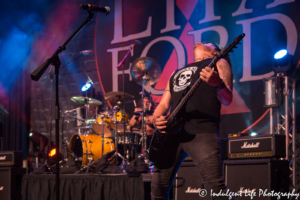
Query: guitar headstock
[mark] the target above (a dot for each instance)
(224, 52)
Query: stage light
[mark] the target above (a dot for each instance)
(280, 54)
(37, 142)
(52, 152)
(88, 89)
(253, 134)
(282, 62)
(86, 86)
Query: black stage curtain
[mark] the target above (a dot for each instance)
(83, 187)
(15, 115)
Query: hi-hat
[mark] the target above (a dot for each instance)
(83, 127)
(145, 70)
(118, 97)
(86, 100)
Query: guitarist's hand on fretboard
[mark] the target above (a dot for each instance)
(160, 123)
(210, 76)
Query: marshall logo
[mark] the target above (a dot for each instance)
(246, 191)
(193, 190)
(2, 157)
(250, 146)
(1, 188)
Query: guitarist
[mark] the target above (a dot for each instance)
(198, 137)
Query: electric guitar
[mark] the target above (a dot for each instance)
(175, 122)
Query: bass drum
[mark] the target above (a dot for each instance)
(89, 146)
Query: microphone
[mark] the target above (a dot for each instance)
(86, 52)
(93, 8)
(138, 42)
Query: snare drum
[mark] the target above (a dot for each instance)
(118, 118)
(89, 147)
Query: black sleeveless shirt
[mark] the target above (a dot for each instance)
(202, 110)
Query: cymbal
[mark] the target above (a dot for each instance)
(83, 127)
(118, 97)
(148, 112)
(145, 68)
(86, 100)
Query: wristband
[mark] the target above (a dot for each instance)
(154, 120)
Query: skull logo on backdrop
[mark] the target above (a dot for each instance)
(183, 78)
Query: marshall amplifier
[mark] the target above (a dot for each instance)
(11, 158)
(264, 146)
(257, 178)
(188, 184)
(11, 183)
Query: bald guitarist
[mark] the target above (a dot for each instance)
(198, 137)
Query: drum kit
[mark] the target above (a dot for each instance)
(100, 133)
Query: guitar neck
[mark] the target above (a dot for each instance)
(191, 91)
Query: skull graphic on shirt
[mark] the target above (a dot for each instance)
(184, 77)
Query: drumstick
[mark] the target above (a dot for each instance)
(134, 103)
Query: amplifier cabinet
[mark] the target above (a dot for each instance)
(263, 146)
(260, 176)
(11, 158)
(188, 183)
(11, 183)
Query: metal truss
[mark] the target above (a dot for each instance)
(286, 124)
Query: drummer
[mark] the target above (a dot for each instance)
(136, 121)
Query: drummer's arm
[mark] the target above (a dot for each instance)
(133, 121)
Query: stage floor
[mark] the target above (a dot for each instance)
(84, 187)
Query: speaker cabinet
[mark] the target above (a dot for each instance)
(11, 182)
(257, 176)
(188, 183)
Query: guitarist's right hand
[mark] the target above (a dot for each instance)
(160, 123)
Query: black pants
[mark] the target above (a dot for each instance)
(204, 150)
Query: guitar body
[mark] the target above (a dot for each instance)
(159, 139)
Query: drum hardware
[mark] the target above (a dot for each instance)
(86, 113)
(119, 117)
(116, 154)
(146, 72)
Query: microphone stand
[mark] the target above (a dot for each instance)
(36, 75)
(124, 129)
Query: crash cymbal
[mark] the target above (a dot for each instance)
(148, 112)
(118, 97)
(145, 68)
(86, 100)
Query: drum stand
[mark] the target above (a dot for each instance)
(144, 132)
(116, 154)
